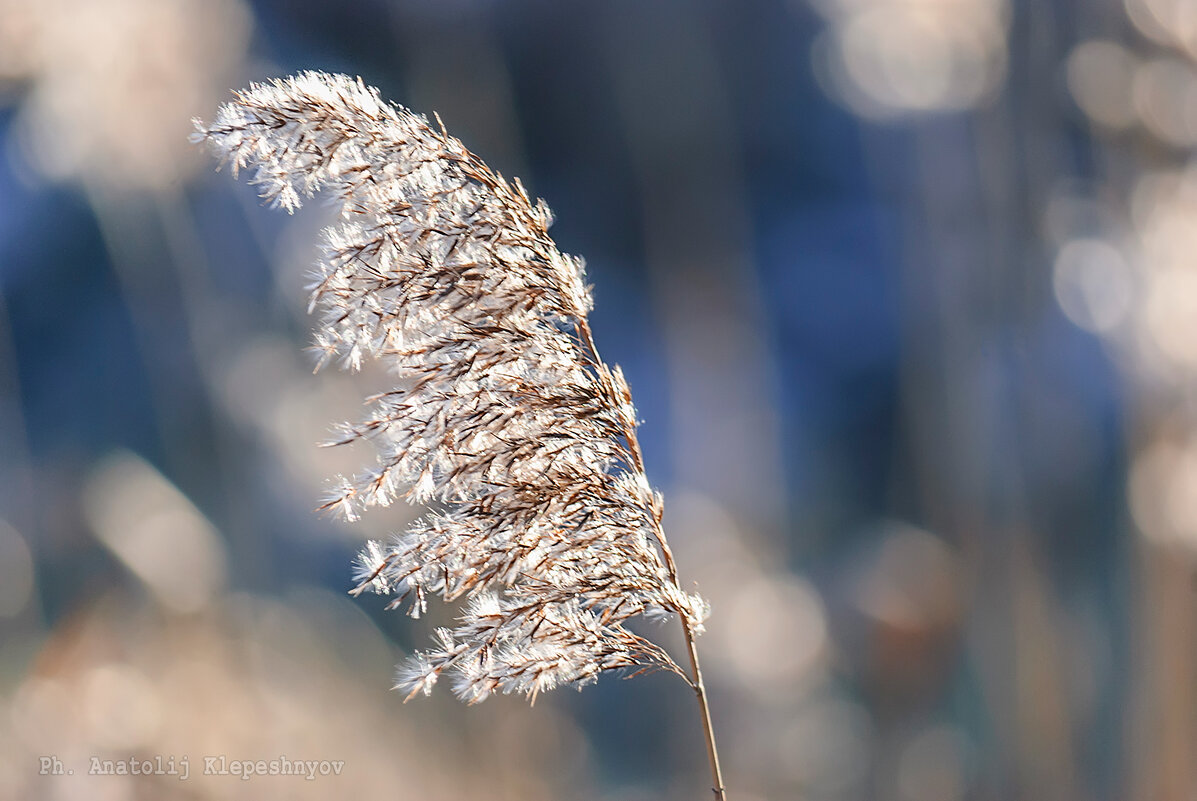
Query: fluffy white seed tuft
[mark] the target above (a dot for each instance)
(503, 416)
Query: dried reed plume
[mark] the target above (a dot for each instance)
(504, 417)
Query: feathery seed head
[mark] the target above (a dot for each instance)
(503, 415)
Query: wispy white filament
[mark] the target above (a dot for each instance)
(503, 415)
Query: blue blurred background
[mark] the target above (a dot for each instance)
(906, 296)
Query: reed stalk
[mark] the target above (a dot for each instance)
(504, 417)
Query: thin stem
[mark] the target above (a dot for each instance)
(696, 683)
(701, 692)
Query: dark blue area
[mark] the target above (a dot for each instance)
(81, 376)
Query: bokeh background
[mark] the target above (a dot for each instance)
(906, 293)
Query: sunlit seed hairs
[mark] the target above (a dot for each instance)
(503, 415)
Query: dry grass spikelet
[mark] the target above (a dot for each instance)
(503, 416)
